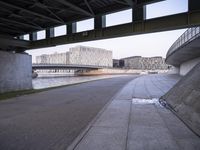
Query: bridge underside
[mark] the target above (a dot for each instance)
(21, 17)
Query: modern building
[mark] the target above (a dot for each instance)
(79, 55)
(56, 58)
(82, 55)
(118, 63)
(142, 63)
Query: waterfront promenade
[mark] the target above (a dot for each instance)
(52, 119)
(96, 116)
(135, 120)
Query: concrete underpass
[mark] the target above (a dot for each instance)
(132, 112)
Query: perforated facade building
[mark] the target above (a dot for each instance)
(79, 55)
(145, 63)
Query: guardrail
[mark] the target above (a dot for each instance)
(186, 37)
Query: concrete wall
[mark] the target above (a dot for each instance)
(15, 72)
(174, 70)
(187, 66)
(184, 99)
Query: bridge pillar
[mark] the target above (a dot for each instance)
(139, 13)
(99, 22)
(33, 36)
(193, 5)
(49, 33)
(15, 71)
(71, 28)
(21, 37)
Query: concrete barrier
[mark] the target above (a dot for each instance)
(184, 99)
(188, 65)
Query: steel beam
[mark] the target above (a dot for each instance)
(178, 21)
(9, 30)
(7, 43)
(21, 37)
(129, 2)
(139, 13)
(33, 36)
(71, 28)
(19, 23)
(49, 33)
(30, 12)
(193, 5)
(89, 7)
(75, 7)
(146, 2)
(100, 22)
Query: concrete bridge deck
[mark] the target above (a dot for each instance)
(53, 119)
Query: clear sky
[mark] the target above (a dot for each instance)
(155, 44)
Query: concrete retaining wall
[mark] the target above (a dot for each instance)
(184, 99)
(15, 72)
(187, 66)
(174, 70)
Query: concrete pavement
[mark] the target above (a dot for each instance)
(131, 122)
(51, 120)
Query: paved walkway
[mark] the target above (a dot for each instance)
(129, 123)
(51, 120)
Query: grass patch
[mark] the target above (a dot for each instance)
(12, 94)
(8, 95)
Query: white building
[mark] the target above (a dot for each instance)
(56, 58)
(82, 55)
(79, 55)
(145, 63)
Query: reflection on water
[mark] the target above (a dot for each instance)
(52, 81)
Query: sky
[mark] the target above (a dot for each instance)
(146, 45)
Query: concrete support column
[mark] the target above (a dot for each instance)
(99, 22)
(21, 37)
(71, 28)
(33, 36)
(49, 33)
(15, 72)
(193, 5)
(139, 13)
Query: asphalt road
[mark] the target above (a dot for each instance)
(51, 120)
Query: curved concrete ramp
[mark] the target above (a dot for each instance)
(153, 86)
(184, 99)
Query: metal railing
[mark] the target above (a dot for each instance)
(186, 37)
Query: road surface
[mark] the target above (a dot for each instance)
(54, 118)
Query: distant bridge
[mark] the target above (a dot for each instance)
(65, 66)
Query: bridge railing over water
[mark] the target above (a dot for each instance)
(186, 37)
(55, 65)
